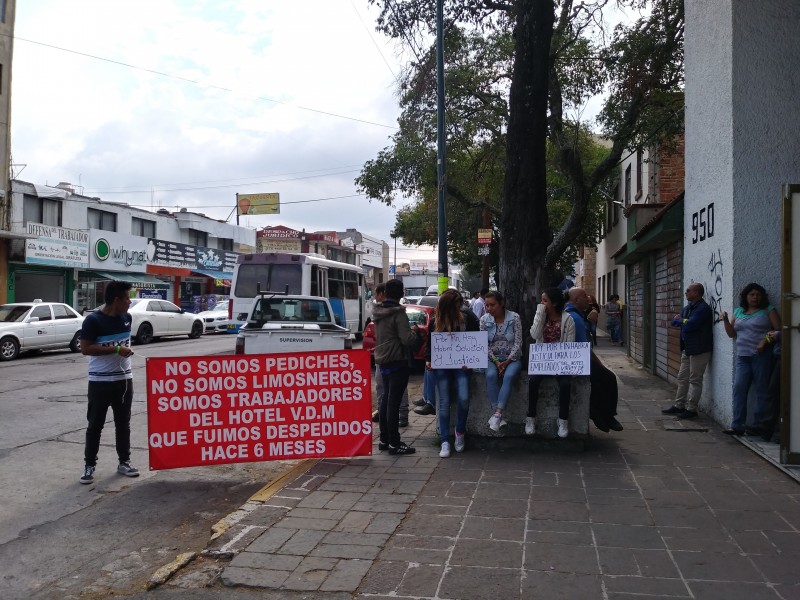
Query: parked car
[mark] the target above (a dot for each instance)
(430, 301)
(153, 318)
(417, 315)
(216, 319)
(38, 325)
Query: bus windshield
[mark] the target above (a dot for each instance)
(273, 277)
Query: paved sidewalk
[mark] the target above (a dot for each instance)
(645, 513)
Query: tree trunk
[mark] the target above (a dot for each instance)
(524, 228)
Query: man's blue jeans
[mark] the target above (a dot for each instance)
(498, 389)
(460, 380)
(429, 387)
(750, 370)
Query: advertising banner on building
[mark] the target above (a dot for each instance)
(268, 244)
(57, 246)
(182, 256)
(258, 204)
(112, 251)
(208, 410)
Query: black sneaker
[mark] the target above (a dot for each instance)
(425, 410)
(402, 448)
(672, 410)
(88, 475)
(403, 424)
(383, 446)
(687, 414)
(127, 469)
(614, 425)
(420, 402)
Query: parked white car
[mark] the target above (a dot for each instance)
(38, 326)
(216, 319)
(153, 318)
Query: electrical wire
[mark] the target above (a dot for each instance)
(198, 83)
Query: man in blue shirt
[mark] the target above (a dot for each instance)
(697, 339)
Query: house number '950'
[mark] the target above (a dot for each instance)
(703, 224)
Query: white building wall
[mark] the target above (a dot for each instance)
(742, 131)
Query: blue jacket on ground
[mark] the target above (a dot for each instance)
(696, 323)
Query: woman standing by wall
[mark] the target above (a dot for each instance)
(551, 324)
(504, 329)
(752, 321)
(451, 316)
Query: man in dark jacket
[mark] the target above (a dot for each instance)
(697, 339)
(393, 338)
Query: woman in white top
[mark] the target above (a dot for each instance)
(551, 324)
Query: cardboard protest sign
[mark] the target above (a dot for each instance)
(460, 349)
(560, 358)
(207, 410)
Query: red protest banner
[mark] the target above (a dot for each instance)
(209, 410)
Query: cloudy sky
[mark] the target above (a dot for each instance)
(184, 103)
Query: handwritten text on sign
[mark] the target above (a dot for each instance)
(561, 358)
(460, 349)
(207, 410)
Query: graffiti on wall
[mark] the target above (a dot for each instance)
(714, 291)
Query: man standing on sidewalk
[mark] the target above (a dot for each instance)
(380, 296)
(696, 321)
(106, 340)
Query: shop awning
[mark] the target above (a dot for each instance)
(214, 274)
(140, 279)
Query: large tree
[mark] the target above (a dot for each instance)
(517, 70)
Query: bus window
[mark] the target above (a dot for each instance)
(271, 277)
(314, 280)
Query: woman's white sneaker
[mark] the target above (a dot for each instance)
(445, 451)
(562, 428)
(460, 444)
(494, 422)
(530, 426)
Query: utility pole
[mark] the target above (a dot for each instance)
(485, 266)
(441, 170)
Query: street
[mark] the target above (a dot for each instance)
(61, 539)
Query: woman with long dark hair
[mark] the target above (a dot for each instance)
(752, 322)
(451, 316)
(551, 324)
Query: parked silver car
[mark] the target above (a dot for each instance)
(152, 318)
(38, 326)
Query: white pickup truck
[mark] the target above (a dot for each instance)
(283, 323)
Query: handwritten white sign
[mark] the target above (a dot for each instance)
(460, 349)
(561, 358)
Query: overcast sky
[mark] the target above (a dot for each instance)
(100, 99)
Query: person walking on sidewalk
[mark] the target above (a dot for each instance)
(393, 339)
(450, 318)
(106, 340)
(613, 319)
(504, 333)
(697, 340)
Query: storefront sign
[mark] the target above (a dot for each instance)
(277, 245)
(208, 410)
(182, 256)
(431, 266)
(561, 358)
(112, 251)
(279, 232)
(57, 246)
(460, 349)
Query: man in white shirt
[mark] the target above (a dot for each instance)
(478, 306)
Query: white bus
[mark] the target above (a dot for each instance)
(306, 274)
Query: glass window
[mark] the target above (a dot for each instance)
(43, 312)
(41, 210)
(225, 244)
(169, 307)
(197, 238)
(62, 311)
(101, 219)
(271, 277)
(143, 227)
(13, 314)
